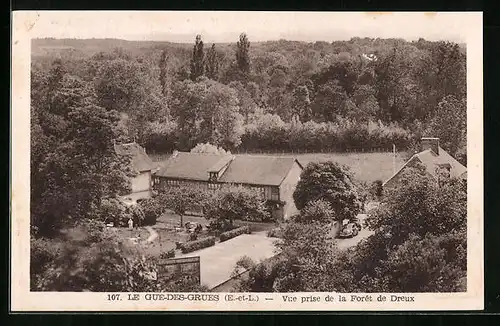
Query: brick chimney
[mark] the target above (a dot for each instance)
(430, 143)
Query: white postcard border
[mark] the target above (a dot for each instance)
(23, 300)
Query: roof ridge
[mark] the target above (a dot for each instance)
(213, 154)
(266, 156)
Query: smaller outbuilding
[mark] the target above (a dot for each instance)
(436, 160)
(143, 166)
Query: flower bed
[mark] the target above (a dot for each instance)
(234, 233)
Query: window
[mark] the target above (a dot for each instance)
(213, 186)
(173, 183)
(213, 176)
(275, 193)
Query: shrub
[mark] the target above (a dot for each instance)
(168, 254)
(234, 233)
(197, 245)
(275, 233)
(114, 211)
(237, 203)
(377, 189)
(42, 254)
(151, 209)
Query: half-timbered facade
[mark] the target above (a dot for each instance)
(274, 177)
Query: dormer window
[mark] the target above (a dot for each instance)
(213, 176)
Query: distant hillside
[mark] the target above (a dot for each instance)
(82, 48)
(88, 47)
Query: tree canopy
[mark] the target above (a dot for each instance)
(331, 183)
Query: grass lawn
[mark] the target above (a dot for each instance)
(366, 167)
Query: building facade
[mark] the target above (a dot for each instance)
(438, 164)
(275, 178)
(142, 182)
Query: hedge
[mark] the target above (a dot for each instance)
(197, 245)
(168, 254)
(234, 233)
(275, 233)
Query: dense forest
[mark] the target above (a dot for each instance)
(361, 94)
(277, 95)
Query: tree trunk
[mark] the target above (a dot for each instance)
(182, 222)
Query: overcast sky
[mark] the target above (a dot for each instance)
(260, 26)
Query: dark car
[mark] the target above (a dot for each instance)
(350, 230)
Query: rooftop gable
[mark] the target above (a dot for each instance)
(241, 169)
(140, 160)
(258, 170)
(431, 160)
(192, 166)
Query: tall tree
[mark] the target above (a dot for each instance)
(332, 183)
(73, 164)
(222, 123)
(209, 148)
(242, 53)
(450, 123)
(301, 103)
(197, 60)
(163, 72)
(187, 105)
(213, 63)
(329, 102)
(246, 102)
(237, 203)
(180, 200)
(451, 70)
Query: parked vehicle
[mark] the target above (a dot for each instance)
(193, 227)
(350, 230)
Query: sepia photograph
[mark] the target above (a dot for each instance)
(217, 154)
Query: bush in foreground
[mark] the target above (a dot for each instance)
(168, 254)
(276, 232)
(234, 233)
(197, 245)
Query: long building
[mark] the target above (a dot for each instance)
(275, 177)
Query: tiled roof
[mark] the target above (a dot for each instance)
(140, 160)
(192, 166)
(243, 169)
(258, 170)
(432, 160)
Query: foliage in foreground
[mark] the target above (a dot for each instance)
(331, 183)
(237, 203)
(91, 258)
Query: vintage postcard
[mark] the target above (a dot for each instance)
(249, 161)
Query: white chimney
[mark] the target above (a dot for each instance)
(430, 143)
